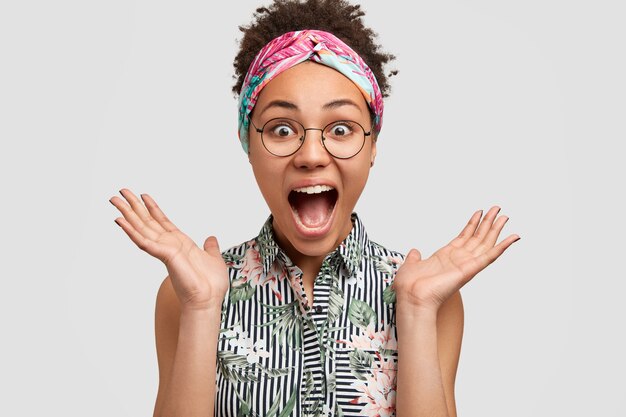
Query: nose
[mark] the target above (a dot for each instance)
(312, 153)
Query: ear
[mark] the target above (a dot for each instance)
(248, 150)
(373, 151)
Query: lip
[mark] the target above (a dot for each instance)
(306, 232)
(310, 183)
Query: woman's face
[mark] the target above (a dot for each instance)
(314, 95)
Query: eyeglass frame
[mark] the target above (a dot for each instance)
(365, 134)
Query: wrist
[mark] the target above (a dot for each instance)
(414, 323)
(410, 311)
(208, 311)
(206, 304)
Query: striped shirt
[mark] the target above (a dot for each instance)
(279, 357)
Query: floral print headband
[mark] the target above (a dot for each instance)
(295, 47)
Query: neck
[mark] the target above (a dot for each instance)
(309, 263)
(306, 262)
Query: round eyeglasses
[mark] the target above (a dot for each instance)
(342, 139)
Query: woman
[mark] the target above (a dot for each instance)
(311, 317)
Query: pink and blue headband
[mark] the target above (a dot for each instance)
(295, 47)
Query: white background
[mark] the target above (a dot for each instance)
(517, 103)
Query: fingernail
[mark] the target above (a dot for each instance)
(518, 238)
(117, 223)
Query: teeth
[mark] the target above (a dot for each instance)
(315, 189)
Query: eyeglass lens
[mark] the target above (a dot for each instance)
(342, 138)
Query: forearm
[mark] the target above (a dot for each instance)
(420, 391)
(191, 388)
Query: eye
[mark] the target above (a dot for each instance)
(283, 130)
(340, 129)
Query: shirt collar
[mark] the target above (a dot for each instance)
(351, 250)
(268, 248)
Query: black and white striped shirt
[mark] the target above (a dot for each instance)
(278, 357)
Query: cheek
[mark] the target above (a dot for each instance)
(261, 166)
(354, 179)
(263, 175)
(269, 177)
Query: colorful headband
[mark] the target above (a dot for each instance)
(295, 47)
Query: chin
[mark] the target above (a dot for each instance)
(313, 241)
(313, 211)
(318, 247)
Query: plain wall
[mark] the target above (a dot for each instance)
(519, 104)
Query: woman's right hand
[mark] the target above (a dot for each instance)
(199, 277)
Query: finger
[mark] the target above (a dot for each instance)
(133, 220)
(492, 254)
(468, 230)
(413, 256)
(141, 241)
(492, 235)
(141, 211)
(212, 246)
(483, 228)
(157, 214)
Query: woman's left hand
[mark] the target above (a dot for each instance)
(427, 284)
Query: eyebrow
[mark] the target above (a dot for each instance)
(284, 104)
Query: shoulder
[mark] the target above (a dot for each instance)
(236, 252)
(383, 258)
(238, 256)
(377, 249)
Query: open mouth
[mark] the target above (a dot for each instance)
(313, 206)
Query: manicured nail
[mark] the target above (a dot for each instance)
(518, 238)
(116, 222)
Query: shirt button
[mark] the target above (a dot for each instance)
(318, 309)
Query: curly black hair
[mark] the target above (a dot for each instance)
(335, 16)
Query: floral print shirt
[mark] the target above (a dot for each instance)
(279, 357)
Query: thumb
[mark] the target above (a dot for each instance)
(414, 255)
(211, 245)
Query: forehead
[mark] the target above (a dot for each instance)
(310, 85)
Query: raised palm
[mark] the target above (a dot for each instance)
(429, 283)
(199, 277)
